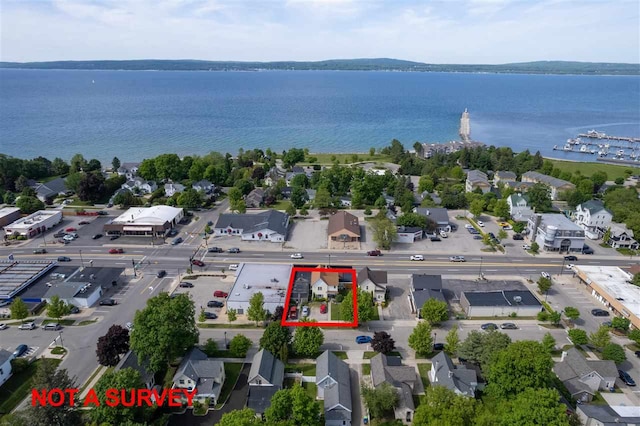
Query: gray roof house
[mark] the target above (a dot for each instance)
(519, 208)
(503, 176)
(265, 379)
(424, 287)
(128, 169)
(173, 188)
(374, 282)
(255, 198)
(5, 365)
(556, 185)
(582, 377)
(333, 379)
(130, 360)
(437, 214)
(477, 179)
(389, 369)
(460, 379)
(51, 189)
(621, 237)
(271, 225)
(197, 371)
(203, 186)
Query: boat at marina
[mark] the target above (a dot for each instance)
(567, 147)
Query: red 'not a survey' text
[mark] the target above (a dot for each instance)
(112, 397)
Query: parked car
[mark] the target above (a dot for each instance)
(457, 259)
(586, 249)
(489, 326)
(599, 313)
(417, 257)
(52, 326)
(293, 312)
(215, 250)
(114, 237)
(233, 267)
(59, 234)
(84, 222)
(74, 310)
(374, 253)
(116, 251)
(214, 304)
(571, 258)
(468, 226)
(95, 237)
(508, 326)
(64, 259)
(197, 262)
(186, 284)
(570, 266)
(297, 256)
(161, 273)
(210, 315)
(526, 246)
(363, 339)
(607, 324)
(545, 275)
(477, 237)
(323, 309)
(443, 234)
(28, 326)
(480, 223)
(20, 350)
(637, 353)
(40, 251)
(438, 346)
(71, 229)
(176, 241)
(518, 237)
(129, 326)
(233, 250)
(626, 378)
(305, 311)
(103, 213)
(435, 239)
(108, 302)
(219, 293)
(3, 326)
(173, 232)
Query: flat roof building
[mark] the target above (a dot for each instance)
(555, 232)
(9, 215)
(499, 303)
(15, 276)
(269, 279)
(81, 294)
(154, 220)
(35, 224)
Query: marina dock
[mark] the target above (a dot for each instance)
(620, 148)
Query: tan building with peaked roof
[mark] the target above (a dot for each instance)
(324, 284)
(344, 231)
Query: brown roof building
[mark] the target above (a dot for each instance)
(344, 231)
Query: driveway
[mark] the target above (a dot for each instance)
(236, 401)
(308, 235)
(398, 307)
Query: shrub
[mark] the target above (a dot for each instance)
(239, 345)
(339, 298)
(210, 348)
(18, 365)
(543, 316)
(578, 336)
(367, 211)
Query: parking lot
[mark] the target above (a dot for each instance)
(399, 307)
(202, 292)
(308, 235)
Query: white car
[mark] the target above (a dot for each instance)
(545, 275)
(526, 246)
(233, 267)
(297, 256)
(457, 259)
(305, 311)
(570, 266)
(129, 326)
(417, 257)
(3, 326)
(468, 226)
(443, 234)
(480, 223)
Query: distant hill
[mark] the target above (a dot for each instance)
(376, 64)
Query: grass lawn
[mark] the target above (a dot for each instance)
(87, 322)
(226, 325)
(423, 369)
(288, 383)
(376, 315)
(93, 376)
(335, 311)
(371, 354)
(306, 369)
(58, 350)
(341, 354)
(366, 369)
(225, 354)
(588, 168)
(167, 381)
(280, 205)
(64, 322)
(232, 372)
(14, 390)
(311, 389)
(325, 158)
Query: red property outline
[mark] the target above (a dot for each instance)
(284, 321)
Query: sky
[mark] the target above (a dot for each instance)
(439, 32)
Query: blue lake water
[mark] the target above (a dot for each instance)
(138, 114)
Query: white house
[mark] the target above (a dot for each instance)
(555, 185)
(519, 207)
(324, 284)
(129, 170)
(204, 186)
(621, 237)
(172, 188)
(593, 218)
(5, 365)
(374, 282)
(137, 184)
(197, 371)
(271, 225)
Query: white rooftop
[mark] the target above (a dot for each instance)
(271, 280)
(8, 210)
(613, 280)
(34, 219)
(156, 215)
(560, 221)
(621, 404)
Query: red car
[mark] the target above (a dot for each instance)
(323, 308)
(293, 312)
(116, 251)
(71, 229)
(219, 293)
(197, 262)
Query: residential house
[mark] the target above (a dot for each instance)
(503, 177)
(460, 379)
(204, 186)
(271, 225)
(621, 237)
(139, 185)
(333, 380)
(519, 208)
(5, 365)
(301, 287)
(172, 188)
(555, 232)
(374, 282)
(556, 185)
(582, 377)
(593, 218)
(50, 190)
(343, 231)
(424, 287)
(477, 179)
(438, 215)
(408, 234)
(388, 200)
(255, 198)
(295, 171)
(618, 409)
(197, 371)
(519, 186)
(130, 360)
(129, 170)
(265, 379)
(274, 175)
(389, 369)
(324, 284)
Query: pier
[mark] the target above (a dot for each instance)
(594, 134)
(622, 148)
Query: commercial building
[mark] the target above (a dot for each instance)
(408, 234)
(15, 276)
(80, 294)
(271, 225)
(499, 303)
(555, 185)
(154, 220)
(593, 218)
(611, 286)
(5, 365)
(9, 215)
(343, 231)
(477, 179)
(35, 224)
(269, 279)
(555, 232)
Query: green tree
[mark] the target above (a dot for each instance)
(239, 345)
(540, 197)
(28, 204)
(307, 341)
(164, 330)
(303, 212)
(300, 181)
(578, 336)
(412, 219)
(275, 338)
(479, 347)
(523, 364)
(115, 164)
(634, 335)
(78, 163)
(322, 199)
(91, 186)
(501, 209)
(544, 284)
(238, 206)
(442, 406)
(210, 348)
(57, 309)
(112, 345)
(59, 167)
(381, 400)
(548, 342)
(502, 234)
(19, 309)
(572, 313)
(291, 209)
(232, 314)
(599, 178)
(555, 317)
(620, 323)
(293, 405)
(477, 207)
(365, 306)
(244, 417)
(299, 197)
(600, 338)
(614, 353)
(420, 339)
(190, 199)
(384, 232)
(293, 156)
(452, 341)
(126, 379)
(234, 194)
(434, 311)
(535, 247)
(534, 406)
(256, 311)
(425, 184)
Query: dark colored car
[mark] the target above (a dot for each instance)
(108, 302)
(64, 259)
(186, 284)
(176, 241)
(438, 346)
(599, 313)
(84, 222)
(197, 262)
(59, 234)
(508, 326)
(114, 237)
(210, 315)
(518, 237)
(477, 237)
(21, 350)
(103, 213)
(587, 250)
(215, 250)
(492, 235)
(40, 251)
(74, 310)
(374, 253)
(214, 304)
(173, 232)
(572, 258)
(435, 239)
(219, 293)
(637, 353)
(489, 326)
(161, 273)
(233, 250)
(116, 251)
(626, 378)
(95, 237)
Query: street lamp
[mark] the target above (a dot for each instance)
(329, 260)
(133, 264)
(563, 261)
(225, 340)
(61, 343)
